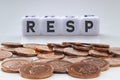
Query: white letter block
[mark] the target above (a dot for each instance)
(31, 25)
(89, 25)
(50, 25)
(70, 25)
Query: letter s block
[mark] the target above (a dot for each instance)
(50, 25)
(70, 25)
(31, 25)
(89, 25)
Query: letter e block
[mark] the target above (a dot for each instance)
(50, 25)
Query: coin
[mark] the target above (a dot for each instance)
(25, 52)
(83, 70)
(36, 70)
(5, 54)
(13, 65)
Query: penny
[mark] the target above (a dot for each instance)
(25, 52)
(115, 50)
(44, 60)
(11, 44)
(60, 66)
(114, 62)
(5, 54)
(101, 49)
(74, 59)
(105, 57)
(10, 49)
(83, 70)
(30, 45)
(58, 49)
(101, 63)
(43, 47)
(100, 45)
(71, 43)
(71, 51)
(82, 48)
(36, 70)
(77, 44)
(98, 53)
(51, 55)
(13, 65)
(57, 45)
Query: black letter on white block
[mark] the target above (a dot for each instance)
(71, 27)
(50, 25)
(30, 25)
(88, 25)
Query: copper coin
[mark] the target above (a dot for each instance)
(57, 45)
(71, 51)
(101, 49)
(60, 66)
(25, 52)
(115, 50)
(114, 62)
(43, 47)
(101, 63)
(36, 70)
(13, 65)
(73, 59)
(5, 54)
(10, 49)
(82, 48)
(58, 49)
(77, 44)
(51, 55)
(100, 45)
(44, 60)
(11, 44)
(71, 43)
(98, 53)
(83, 70)
(30, 45)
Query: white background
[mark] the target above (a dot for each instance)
(11, 12)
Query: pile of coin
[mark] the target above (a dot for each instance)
(77, 59)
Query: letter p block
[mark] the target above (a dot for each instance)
(89, 25)
(31, 25)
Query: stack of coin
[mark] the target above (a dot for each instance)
(77, 59)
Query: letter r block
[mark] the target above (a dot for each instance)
(70, 25)
(50, 25)
(31, 25)
(89, 25)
